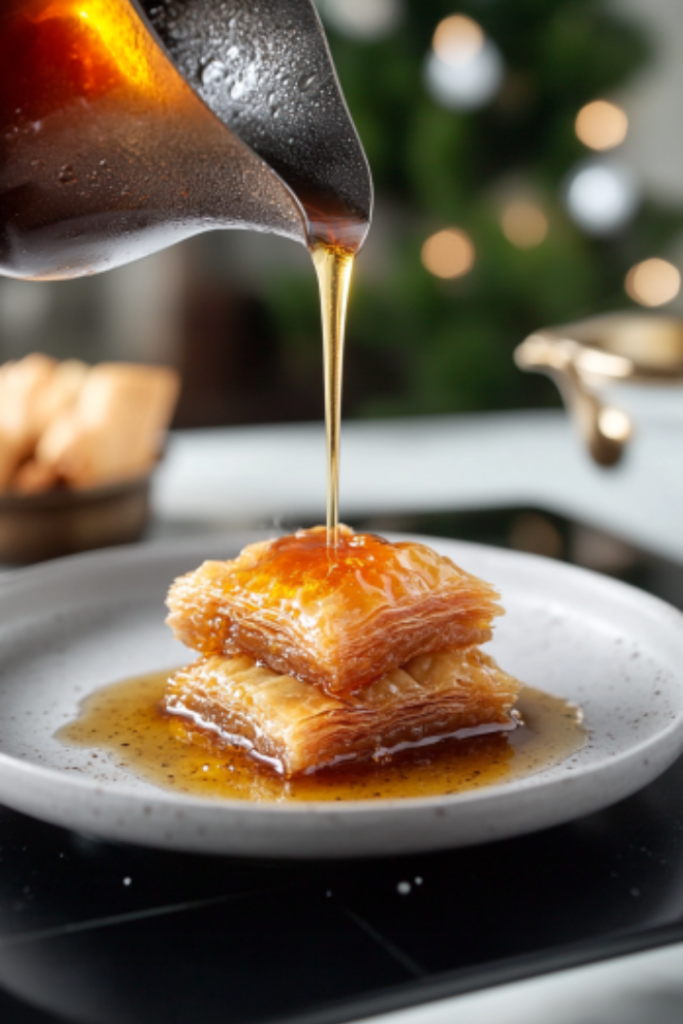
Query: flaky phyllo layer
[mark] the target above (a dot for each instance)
(311, 656)
(339, 621)
(297, 728)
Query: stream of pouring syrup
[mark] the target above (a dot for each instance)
(334, 267)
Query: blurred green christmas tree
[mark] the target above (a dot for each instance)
(490, 168)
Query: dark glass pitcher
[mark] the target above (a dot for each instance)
(127, 125)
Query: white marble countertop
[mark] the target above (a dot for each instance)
(628, 990)
(242, 476)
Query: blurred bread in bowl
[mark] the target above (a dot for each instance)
(22, 387)
(78, 426)
(115, 428)
(77, 446)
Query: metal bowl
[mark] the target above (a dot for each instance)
(611, 370)
(36, 527)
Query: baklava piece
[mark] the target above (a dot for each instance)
(336, 618)
(297, 728)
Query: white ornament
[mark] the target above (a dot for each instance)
(468, 80)
(365, 20)
(602, 196)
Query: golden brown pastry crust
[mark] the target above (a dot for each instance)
(339, 621)
(297, 728)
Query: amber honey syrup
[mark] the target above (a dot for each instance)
(126, 721)
(334, 267)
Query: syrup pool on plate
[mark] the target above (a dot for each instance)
(125, 720)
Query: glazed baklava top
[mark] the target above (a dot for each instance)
(339, 618)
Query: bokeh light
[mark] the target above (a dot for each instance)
(365, 20)
(653, 282)
(464, 69)
(614, 424)
(524, 224)
(601, 125)
(457, 39)
(449, 253)
(602, 196)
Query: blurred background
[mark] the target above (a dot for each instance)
(528, 161)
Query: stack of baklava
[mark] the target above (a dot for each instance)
(313, 654)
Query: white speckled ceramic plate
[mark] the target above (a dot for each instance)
(71, 626)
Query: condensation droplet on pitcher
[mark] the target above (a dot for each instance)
(66, 175)
(309, 84)
(213, 73)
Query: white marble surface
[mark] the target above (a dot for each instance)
(629, 990)
(260, 475)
